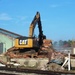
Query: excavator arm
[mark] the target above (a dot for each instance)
(36, 21)
(33, 24)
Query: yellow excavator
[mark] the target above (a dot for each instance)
(31, 46)
(31, 42)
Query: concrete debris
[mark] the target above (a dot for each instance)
(2, 65)
(54, 67)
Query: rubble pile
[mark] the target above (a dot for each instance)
(12, 54)
(45, 51)
(46, 48)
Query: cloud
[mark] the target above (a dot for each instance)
(5, 16)
(66, 3)
(54, 6)
(21, 17)
(20, 20)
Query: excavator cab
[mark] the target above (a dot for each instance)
(31, 41)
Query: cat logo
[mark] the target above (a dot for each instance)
(23, 42)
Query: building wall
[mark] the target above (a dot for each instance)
(7, 41)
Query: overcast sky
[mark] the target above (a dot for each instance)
(57, 17)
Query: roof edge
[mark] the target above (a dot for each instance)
(10, 32)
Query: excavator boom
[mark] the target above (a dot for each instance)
(35, 21)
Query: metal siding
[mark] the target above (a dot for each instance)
(7, 42)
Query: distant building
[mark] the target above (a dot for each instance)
(6, 39)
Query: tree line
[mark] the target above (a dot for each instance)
(64, 43)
